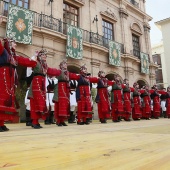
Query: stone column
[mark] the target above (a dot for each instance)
(147, 40)
(124, 26)
(152, 76)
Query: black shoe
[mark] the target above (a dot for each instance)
(28, 124)
(103, 121)
(136, 119)
(116, 121)
(47, 123)
(128, 120)
(40, 125)
(52, 122)
(36, 126)
(86, 123)
(1, 130)
(70, 121)
(80, 123)
(4, 128)
(59, 124)
(64, 124)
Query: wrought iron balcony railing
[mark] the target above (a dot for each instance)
(136, 53)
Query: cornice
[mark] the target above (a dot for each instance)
(78, 3)
(128, 4)
(153, 65)
(93, 1)
(108, 14)
(95, 63)
(130, 58)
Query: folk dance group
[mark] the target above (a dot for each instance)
(51, 90)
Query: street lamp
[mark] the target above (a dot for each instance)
(51, 1)
(96, 20)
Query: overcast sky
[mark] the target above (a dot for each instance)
(158, 10)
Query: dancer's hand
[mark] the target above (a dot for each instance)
(36, 53)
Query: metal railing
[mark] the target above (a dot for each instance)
(49, 22)
(42, 20)
(136, 53)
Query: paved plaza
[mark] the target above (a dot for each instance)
(135, 145)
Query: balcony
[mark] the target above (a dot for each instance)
(42, 20)
(133, 2)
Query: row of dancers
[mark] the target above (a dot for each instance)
(114, 106)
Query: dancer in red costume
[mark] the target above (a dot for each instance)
(127, 101)
(37, 92)
(136, 103)
(62, 90)
(83, 96)
(8, 82)
(146, 102)
(116, 100)
(155, 96)
(163, 103)
(168, 102)
(102, 98)
(62, 94)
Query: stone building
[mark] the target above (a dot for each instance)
(163, 49)
(123, 21)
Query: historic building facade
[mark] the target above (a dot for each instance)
(123, 21)
(163, 49)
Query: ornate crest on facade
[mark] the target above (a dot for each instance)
(20, 25)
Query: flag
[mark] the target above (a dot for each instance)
(114, 53)
(144, 63)
(74, 48)
(20, 24)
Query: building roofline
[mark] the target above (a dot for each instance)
(162, 21)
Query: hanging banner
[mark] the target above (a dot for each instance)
(74, 47)
(20, 24)
(144, 63)
(114, 53)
